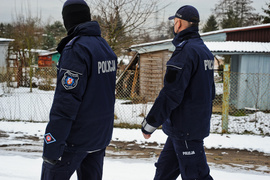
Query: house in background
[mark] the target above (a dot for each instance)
(248, 53)
(48, 59)
(3, 54)
(258, 33)
(246, 49)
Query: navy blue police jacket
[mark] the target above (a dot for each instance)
(184, 105)
(82, 113)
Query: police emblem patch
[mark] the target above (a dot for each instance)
(70, 80)
(49, 138)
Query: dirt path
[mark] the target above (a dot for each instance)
(221, 158)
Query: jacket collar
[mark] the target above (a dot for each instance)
(189, 33)
(90, 28)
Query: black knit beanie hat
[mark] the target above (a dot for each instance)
(74, 13)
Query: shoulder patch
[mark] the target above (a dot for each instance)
(48, 138)
(70, 80)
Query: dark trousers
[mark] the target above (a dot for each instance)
(182, 157)
(89, 166)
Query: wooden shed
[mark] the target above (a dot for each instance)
(144, 74)
(152, 68)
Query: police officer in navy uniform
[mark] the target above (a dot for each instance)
(82, 113)
(184, 105)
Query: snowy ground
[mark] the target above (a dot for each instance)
(27, 166)
(24, 168)
(230, 141)
(20, 104)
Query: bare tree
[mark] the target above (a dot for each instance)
(122, 21)
(27, 33)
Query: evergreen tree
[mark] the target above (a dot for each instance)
(266, 19)
(5, 30)
(236, 13)
(53, 34)
(2, 30)
(211, 24)
(231, 20)
(48, 41)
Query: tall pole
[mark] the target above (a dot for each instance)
(226, 94)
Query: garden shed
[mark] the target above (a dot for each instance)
(48, 59)
(248, 57)
(144, 74)
(3, 54)
(152, 67)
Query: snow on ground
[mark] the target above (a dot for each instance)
(227, 141)
(219, 88)
(124, 59)
(25, 168)
(20, 104)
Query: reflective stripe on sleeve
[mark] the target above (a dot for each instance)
(147, 127)
(175, 67)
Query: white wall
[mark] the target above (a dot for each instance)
(3, 55)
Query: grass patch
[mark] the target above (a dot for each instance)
(128, 126)
(239, 113)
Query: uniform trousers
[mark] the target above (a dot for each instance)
(182, 157)
(89, 166)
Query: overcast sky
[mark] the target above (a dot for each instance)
(50, 10)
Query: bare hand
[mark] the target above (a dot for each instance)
(146, 136)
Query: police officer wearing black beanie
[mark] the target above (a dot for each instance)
(82, 113)
(75, 12)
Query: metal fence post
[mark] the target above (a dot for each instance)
(226, 96)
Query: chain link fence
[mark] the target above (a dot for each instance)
(249, 104)
(26, 94)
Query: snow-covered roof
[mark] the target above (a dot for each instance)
(153, 46)
(215, 47)
(238, 47)
(6, 40)
(206, 34)
(151, 43)
(46, 53)
(222, 46)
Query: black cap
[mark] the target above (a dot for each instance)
(188, 13)
(74, 13)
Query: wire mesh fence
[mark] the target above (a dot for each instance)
(27, 94)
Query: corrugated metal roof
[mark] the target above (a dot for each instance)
(151, 43)
(232, 47)
(239, 47)
(228, 30)
(210, 34)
